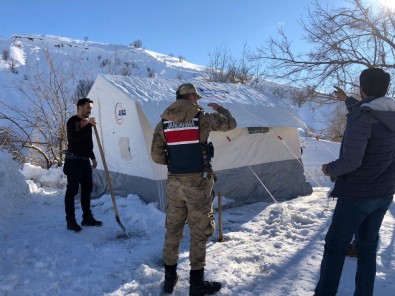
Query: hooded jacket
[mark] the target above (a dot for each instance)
(366, 165)
(183, 111)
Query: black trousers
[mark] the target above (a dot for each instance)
(78, 172)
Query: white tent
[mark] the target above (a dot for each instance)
(263, 151)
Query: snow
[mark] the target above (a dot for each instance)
(82, 60)
(269, 249)
(249, 106)
(17, 54)
(90, 59)
(13, 188)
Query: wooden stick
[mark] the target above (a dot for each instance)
(220, 235)
(114, 203)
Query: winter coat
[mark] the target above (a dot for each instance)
(185, 111)
(366, 165)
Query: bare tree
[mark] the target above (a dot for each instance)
(39, 125)
(125, 71)
(334, 123)
(245, 68)
(224, 68)
(5, 54)
(219, 61)
(82, 89)
(7, 140)
(150, 72)
(137, 43)
(104, 63)
(345, 41)
(12, 63)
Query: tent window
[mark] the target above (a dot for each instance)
(257, 130)
(124, 148)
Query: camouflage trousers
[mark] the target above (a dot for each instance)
(189, 197)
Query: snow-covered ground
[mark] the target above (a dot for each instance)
(269, 249)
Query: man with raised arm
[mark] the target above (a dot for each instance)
(180, 141)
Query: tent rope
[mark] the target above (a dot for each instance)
(282, 140)
(260, 181)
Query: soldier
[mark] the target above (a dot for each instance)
(77, 166)
(180, 141)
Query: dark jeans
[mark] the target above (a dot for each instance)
(362, 217)
(78, 171)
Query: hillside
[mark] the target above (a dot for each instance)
(25, 57)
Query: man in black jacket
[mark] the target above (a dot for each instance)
(77, 165)
(365, 183)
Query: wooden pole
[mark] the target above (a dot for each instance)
(114, 203)
(220, 235)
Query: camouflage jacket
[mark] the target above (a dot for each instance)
(185, 111)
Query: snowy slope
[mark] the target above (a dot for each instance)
(269, 249)
(82, 60)
(85, 60)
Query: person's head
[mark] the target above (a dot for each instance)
(374, 82)
(84, 107)
(188, 91)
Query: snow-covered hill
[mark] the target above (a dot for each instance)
(93, 57)
(23, 57)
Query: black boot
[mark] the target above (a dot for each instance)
(200, 287)
(73, 225)
(171, 278)
(90, 221)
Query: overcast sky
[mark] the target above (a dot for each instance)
(187, 28)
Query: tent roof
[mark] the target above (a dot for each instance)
(249, 106)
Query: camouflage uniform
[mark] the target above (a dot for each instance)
(189, 195)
